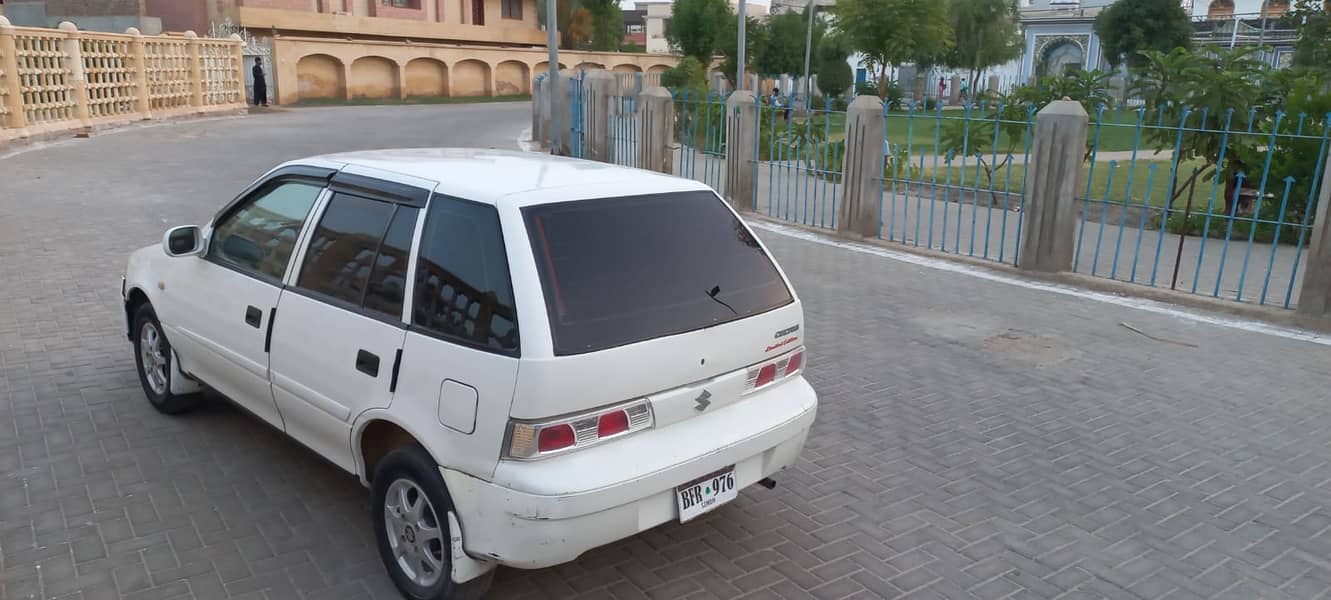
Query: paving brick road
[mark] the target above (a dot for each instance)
(976, 440)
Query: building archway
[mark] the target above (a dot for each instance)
(1220, 9)
(320, 76)
(658, 68)
(1060, 57)
(471, 77)
(1275, 8)
(374, 77)
(512, 78)
(426, 77)
(589, 66)
(627, 68)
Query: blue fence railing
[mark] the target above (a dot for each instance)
(1200, 202)
(955, 180)
(1189, 200)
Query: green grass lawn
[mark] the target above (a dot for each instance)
(413, 100)
(1157, 191)
(1117, 130)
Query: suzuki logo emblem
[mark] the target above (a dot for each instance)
(702, 401)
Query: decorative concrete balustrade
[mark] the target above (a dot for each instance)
(54, 80)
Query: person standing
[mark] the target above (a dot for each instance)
(260, 84)
(942, 88)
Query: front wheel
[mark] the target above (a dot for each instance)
(152, 354)
(410, 515)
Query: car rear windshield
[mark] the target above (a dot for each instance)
(621, 270)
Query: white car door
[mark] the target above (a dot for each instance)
(217, 308)
(338, 332)
(460, 358)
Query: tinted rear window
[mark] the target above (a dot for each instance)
(622, 270)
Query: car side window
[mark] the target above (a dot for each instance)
(260, 236)
(358, 253)
(463, 289)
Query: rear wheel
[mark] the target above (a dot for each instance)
(410, 515)
(152, 354)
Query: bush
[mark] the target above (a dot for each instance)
(866, 88)
(893, 96)
(688, 74)
(834, 76)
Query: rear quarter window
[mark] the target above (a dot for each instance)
(616, 271)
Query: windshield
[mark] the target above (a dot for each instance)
(622, 270)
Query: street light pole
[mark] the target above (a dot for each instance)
(743, 24)
(808, 46)
(552, 43)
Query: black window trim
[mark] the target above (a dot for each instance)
(338, 302)
(318, 176)
(373, 188)
(412, 327)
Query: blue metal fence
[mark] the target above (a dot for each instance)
(700, 131)
(800, 156)
(955, 180)
(577, 115)
(1200, 202)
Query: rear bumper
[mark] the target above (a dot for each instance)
(519, 524)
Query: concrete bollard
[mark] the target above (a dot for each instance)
(1049, 227)
(600, 88)
(1315, 297)
(954, 92)
(861, 188)
(741, 149)
(561, 113)
(656, 119)
(994, 84)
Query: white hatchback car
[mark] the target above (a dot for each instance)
(524, 357)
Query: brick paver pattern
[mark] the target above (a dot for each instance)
(975, 440)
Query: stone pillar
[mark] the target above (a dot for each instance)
(741, 149)
(1049, 223)
(954, 91)
(994, 84)
(861, 178)
(1315, 296)
(656, 122)
(561, 113)
(195, 71)
(13, 96)
(537, 97)
(139, 62)
(600, 88)
(73, 51)
(238, 51)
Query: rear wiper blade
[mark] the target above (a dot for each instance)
(716, 289)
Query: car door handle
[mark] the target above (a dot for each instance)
(253, 316)
(367, 363)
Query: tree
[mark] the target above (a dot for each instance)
(695, 26)
(632, 48)
(833, 75)
(894, 32)
(783, 52)
(987, 35)
(1313, 49)
(607, 22)
(573, 20)
(1129, 28)
(727, 44)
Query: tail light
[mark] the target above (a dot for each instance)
(530, 440)
(764, 374)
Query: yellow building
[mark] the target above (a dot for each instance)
(346, 49)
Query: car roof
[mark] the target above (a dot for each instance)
(490, 176)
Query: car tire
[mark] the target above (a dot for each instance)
(156, 364)
(410, 514)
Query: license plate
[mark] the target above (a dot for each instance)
(706, 493)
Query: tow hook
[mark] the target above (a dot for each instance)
(768, 483)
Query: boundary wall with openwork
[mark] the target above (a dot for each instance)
(54, 80)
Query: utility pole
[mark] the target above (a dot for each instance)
(552, 43)
(743, 22)
(808, 46)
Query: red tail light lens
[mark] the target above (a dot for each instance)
(796, 361)
(530, 440)
(556, 438)
(774, 370)
(766, 375)
(612, 423)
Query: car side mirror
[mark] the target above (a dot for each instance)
(185, 240)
